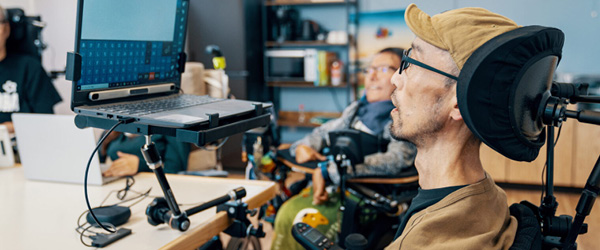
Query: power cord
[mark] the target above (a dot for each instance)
(122, 194)
(180, 90)
(87, 169)
(84, 228)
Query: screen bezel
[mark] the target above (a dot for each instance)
(81, 97)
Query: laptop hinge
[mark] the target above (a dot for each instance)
(181, 62)
(73, 71)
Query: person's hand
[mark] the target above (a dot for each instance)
(126, 165)
(305, 154)
(319, 194)
(9, 127)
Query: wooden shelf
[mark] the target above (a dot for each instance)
(290, 118)
(301, 84)
(272, 44)
(306, 2)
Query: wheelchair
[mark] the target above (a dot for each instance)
(379, 199)
(25, 34)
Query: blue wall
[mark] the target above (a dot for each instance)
(579, 21)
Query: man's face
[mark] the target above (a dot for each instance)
(422, 97)
(377, 80)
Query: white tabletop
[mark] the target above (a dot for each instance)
(43, 215)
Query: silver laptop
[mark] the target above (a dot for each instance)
(132, 57)
(52, 148)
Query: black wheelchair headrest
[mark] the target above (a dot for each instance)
(501, 85)
(25, 34)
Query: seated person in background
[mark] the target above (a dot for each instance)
(127, 159)
(25, 86)
(458, 205)
(371, 114)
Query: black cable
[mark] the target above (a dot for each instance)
(557, 136)
(546, 165)
(87, 169)
(180, 90)
(543, 185)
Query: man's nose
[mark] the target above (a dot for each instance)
(397, 80)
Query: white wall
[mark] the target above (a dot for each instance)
(23, 4)
(59, 34)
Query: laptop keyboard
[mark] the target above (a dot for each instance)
(158, 105)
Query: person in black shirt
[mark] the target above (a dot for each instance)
(24, 84)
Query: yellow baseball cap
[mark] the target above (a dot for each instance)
(459, 31)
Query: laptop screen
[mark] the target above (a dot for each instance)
(123, 43)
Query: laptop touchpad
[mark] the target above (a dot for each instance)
(180, 118)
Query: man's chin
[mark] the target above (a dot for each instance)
(396, 131)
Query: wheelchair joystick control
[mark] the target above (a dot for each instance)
(311, 238)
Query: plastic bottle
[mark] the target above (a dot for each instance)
(336, 73)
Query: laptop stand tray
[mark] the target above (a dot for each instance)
(200, 135)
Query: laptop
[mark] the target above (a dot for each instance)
(131, 63)
(52, 148)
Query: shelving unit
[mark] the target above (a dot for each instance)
(291, 118)
(301, 84)
(305, 2)
(273, 44)
(347, 53)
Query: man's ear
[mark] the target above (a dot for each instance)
(455, 112)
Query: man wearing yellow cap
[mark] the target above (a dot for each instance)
(458, 206)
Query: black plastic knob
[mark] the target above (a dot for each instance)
(356, 242)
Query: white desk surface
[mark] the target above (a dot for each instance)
(43, 215)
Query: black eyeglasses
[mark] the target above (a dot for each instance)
(406, 61)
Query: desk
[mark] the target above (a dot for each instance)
(42, 215)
